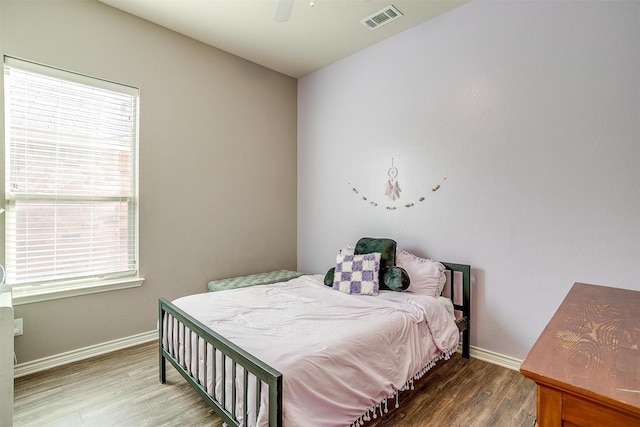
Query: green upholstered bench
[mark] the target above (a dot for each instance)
(253, 279)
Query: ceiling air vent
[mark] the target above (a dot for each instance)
(381, 17)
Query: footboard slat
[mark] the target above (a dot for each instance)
(245, 397)
(214, 362)
(205, 365)
(223, 374)
(173, 321)
(233, 388)
(258, 393)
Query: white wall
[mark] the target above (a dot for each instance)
(531, 110)
(217, 163)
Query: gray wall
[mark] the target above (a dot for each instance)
(531, 110)
(217, 163)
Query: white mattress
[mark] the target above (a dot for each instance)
(340, 355)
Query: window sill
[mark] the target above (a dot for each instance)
(31, 295)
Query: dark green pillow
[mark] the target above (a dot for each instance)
(386, 247)
(396, 279)
(328, 278)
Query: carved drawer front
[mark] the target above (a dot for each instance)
(586, 413)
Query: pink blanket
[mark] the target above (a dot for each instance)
(340, 355)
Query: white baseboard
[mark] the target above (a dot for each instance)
(49, 362)
(494, 358)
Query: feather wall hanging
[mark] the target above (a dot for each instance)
(392, 189)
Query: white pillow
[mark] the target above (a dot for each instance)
(426, 275)
(348, 250)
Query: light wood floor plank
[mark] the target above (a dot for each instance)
(122, 389)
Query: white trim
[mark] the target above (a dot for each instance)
(493, 358)
(31, 294)
(49, 362)
(59, 73)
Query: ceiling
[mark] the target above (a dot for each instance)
(312, 37)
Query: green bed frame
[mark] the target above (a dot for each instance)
(233, 356)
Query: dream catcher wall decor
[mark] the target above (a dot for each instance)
(392, 190)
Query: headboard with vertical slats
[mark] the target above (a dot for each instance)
(458, 289)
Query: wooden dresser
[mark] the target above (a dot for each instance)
(586, 362)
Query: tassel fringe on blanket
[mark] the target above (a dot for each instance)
(383, 407)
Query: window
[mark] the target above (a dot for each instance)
(71, 185)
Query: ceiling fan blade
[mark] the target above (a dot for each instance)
(283, 11)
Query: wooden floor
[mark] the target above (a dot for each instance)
(122, 389)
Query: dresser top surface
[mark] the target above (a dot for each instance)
(591, 345)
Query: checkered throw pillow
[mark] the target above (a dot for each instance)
(357, 274)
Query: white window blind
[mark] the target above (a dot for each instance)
(71, 177)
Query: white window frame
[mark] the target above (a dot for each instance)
(25, 293)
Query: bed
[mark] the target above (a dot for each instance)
(334, 359)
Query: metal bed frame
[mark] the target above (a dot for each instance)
(231, 356)
(462, 304)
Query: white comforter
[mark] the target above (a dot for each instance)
(339, 354)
